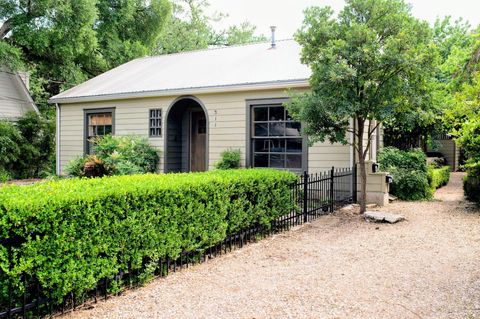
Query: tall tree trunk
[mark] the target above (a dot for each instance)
(362, 167)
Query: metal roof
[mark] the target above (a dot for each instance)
(251, 66)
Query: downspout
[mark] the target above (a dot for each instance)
(57, 139)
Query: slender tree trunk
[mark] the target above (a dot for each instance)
(362, 167)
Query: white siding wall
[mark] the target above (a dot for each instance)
(131, 117)
(322, 156)
(13, 103)
(227, 127)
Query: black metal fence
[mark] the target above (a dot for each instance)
(312, 196)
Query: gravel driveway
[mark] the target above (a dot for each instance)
(336, 267)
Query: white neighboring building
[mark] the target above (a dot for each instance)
(15, 100)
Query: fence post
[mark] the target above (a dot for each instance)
(354, 186)
(332, 185)
(305, 196)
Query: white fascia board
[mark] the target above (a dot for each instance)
(302, 83)
(25, 92)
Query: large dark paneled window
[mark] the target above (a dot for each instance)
(275, 138)
(97, 123)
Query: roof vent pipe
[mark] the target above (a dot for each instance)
(274, 44)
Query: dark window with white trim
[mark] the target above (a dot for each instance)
(276, 139)
(97, 124)
(155, 123)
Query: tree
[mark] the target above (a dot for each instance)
(370, 62)
(190, 28)
(461, 89)
(418, 126)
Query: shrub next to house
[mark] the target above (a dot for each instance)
(70, 234)
(413, 179)
(409, 170)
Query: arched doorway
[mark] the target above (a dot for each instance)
(186, 142)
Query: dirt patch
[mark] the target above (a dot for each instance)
(336, 267)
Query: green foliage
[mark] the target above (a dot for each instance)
(410, 160)
(37, 148)
(469, 135)
(76, 166)
(409, 171)
(67, 42)
(10, 56)
(190, 28)
(438, 177)
(471, 183)
(64, 43)
(371, 62)
(27, 147)
(117, 155)
(69, 234)
(10, 139)
(130, 29)
(4, 175)
(410, 184)
(230, 159)
(126, 151)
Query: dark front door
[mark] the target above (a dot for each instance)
(198, 141)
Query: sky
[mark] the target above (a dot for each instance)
(287, 15)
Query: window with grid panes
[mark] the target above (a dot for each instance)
(155, 123)
(276, 138)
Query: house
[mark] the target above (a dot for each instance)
(15, 100)
(194, 105)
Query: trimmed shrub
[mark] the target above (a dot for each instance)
(70, 234)
(230, 159)
(471, 183)
(438, 177)
(409, 171)
(116, 155)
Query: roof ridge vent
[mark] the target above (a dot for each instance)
(273, 44)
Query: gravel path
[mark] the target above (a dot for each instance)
(336, 267)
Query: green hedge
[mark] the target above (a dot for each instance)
(438, 177)
(70, 234)
(471, 183)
